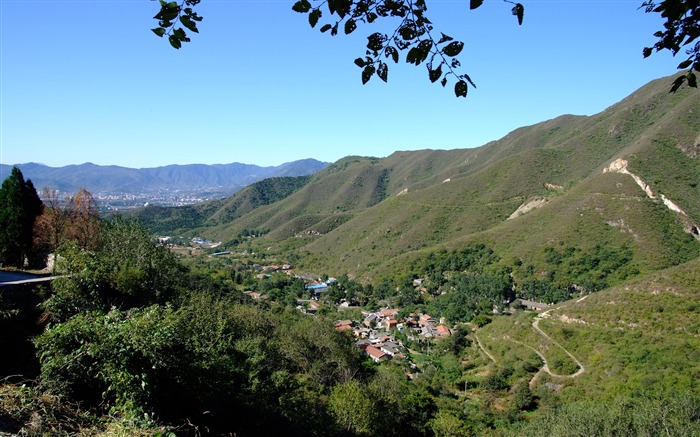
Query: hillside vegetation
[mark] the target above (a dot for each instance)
(545, 284)
(542, 185)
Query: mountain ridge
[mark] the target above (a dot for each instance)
(364, 215)
(223, 179)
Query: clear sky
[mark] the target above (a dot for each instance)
(87, 81)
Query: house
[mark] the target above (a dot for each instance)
(376, 354)
(383, 336)
(426, 319)
(390, 348)
(443, 331)
(389, 323)
(535, 306)
(253, 295)
(361, 332)
(429, 331)
(362, 344)
(370, 320)
(317, 289)
(343, 325)
(314, 305)
(389, 312)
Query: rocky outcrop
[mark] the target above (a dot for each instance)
(620, 166)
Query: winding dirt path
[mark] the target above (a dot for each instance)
(545, 364)
(483, 349)
(536, 325)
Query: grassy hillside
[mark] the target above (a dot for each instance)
(634, 339)
(539, 186)
(185, 219)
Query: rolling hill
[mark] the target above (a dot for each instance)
(626, 177)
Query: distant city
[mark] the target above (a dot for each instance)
(124, 201)
(120, 188)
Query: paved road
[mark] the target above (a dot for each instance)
(14, 278)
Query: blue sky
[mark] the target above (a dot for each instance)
(87, 81)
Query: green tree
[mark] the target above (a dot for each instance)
(416, 37)
(680, 29)
(352, 408)
(446, 424)
(523, 399)
(19, 207)
(127, 269)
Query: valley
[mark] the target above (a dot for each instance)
(544, 284)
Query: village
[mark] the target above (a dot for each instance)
(374, 334)
(376, 331)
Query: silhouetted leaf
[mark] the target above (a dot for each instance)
(473, 4)
(685, 64)
(383, 71)
(350, 26)
(375, 41)
(469, 79)
(188, 23)
(443, 82)
(174, 41)
(314, 17)
(419, 53)
(413, 56)
(407, 32)
(326, 28)
(340, 7)
(193, 15)
(647, 52)
(180, 34)
(461, 89)
(453, 49)
(391, 51)
(360, 62)
(435, 74)
(168, 11)
(159, 31)
(367, 73)
(519, 10)
(302, 6)
(692, 80)
(677, 83)
(444, 38)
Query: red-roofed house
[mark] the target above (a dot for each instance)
(389, 312)
(443, 331)
(343, 325)
(376, 354)
(390, 322)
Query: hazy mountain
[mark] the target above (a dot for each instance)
(219, 178)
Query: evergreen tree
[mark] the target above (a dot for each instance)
(19, 207)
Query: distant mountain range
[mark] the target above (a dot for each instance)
(223, 179)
